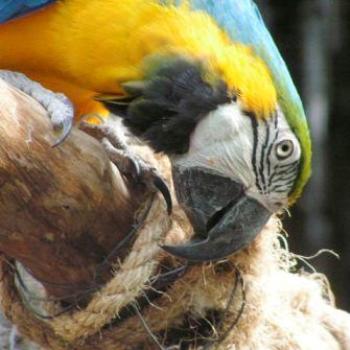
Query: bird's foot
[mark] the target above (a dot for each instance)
(131, 165)
(57, 105)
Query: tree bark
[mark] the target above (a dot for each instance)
(63, 209)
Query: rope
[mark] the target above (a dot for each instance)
(282, 310)
(129, 281)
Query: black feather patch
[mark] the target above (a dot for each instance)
(174, 98)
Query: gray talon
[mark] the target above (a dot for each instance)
(64, 130)
(163, 188)
(136, 173)
(127, 162)
(57, 105)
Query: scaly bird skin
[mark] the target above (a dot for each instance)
(201, 80)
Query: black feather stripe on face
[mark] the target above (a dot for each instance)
(172, 101)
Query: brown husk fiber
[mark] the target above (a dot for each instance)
(282, 310)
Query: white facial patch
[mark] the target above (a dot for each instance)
(222, 141)
(263, 155)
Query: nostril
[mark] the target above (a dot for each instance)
(219, 215)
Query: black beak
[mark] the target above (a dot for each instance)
(224, 219)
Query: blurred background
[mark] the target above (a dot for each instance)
(314, 39)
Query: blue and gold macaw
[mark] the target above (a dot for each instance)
(200, 80)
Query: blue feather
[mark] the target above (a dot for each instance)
(10, 9)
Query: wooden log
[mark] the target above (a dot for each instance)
(63, 209)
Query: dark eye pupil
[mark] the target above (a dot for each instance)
(285, 148)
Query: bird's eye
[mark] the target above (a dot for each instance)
(284, 149)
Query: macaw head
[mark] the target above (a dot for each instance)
(234, 128)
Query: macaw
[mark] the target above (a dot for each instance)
(200, 80)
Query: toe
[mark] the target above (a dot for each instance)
(131, 165)
(61, 113)
(63, 130)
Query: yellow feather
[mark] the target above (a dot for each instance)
(94, 46)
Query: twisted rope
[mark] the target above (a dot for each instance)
(283, 310)
(128, 283)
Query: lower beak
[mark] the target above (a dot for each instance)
(224, 219)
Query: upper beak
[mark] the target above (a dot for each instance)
(223, 217)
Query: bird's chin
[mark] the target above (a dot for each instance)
(223, 217)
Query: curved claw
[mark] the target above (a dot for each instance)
(61, 112)
(163, 188)
(136, 173)
(233, 232)
(64, 130)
